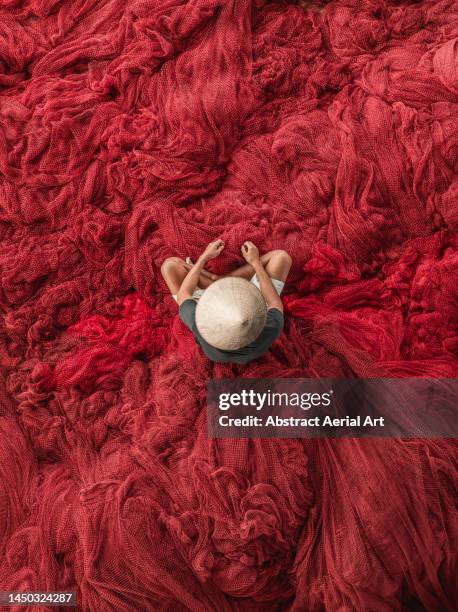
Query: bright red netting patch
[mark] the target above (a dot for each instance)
(131, 131)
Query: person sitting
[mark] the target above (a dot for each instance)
(235, 317)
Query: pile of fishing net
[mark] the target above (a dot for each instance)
(135, 130)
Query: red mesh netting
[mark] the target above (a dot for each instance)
(134, 130)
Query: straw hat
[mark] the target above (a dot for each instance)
(231, 313)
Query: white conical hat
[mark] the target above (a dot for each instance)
(231, 313)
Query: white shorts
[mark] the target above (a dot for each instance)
(278, 284)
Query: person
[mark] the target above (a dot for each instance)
(235, 317)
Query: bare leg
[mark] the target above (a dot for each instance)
(174, 271)
(245, 271)
(277, 264)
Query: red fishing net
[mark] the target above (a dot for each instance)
(133, 131)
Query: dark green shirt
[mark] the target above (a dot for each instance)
(271, 331)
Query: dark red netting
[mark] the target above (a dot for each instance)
(131, 131)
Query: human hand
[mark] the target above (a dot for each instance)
(213, 250)
(250, 252)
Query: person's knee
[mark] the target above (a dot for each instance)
(170, 264)
(283, 258)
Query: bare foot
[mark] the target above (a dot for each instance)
(189, 264)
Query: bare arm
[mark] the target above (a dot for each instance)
(191, 280)
(272, 298)
(206, 278)
(251, 255)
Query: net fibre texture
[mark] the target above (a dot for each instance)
(131, 131)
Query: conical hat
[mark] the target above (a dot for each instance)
(231, 313)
